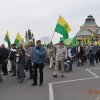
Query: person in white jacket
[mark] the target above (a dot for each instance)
(61, 56)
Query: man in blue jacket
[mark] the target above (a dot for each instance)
(38, 58)
(95, 48)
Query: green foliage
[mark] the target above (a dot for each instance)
(28, 35)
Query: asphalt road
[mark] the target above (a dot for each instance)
(83, 83)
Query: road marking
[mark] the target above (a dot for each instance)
(92, 73)
(93, 68)
(51, 94)
(74, 80)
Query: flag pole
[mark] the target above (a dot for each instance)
(52, 35)
(3, 41)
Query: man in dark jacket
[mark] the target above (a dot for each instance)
(80, 53)
(13, 59)
(4, 60)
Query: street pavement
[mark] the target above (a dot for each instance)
(83, 83)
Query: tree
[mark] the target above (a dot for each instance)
(29, 35)
(26, 35)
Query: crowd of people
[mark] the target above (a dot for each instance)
(31, 57)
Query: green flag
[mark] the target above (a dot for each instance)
(7, 39)
(74, 40)
(18, 39)
(62, 28)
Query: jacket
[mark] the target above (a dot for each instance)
(81, 52)
(1, 55)
(20, 56)
(61, 53)
(4, 53)
(38, 55)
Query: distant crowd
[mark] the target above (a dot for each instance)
(31, 57)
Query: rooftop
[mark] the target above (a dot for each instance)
(84, 32)
(90, 21)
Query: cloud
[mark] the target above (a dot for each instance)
(41, 16)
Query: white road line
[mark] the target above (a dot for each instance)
(93, 68)
(92, 73)
(51, 95)
(74, 80)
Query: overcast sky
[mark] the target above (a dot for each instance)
(41, 16)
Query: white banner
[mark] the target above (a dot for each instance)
(45, 39)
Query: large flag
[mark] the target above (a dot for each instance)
(7, 39)
(18, 39)
(62, 27)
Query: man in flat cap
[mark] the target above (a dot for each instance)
(61, 56)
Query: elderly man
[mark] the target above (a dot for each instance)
(38, 58)
(5, 55)
(61, 56)
(28, 53)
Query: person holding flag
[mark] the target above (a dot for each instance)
(61, 56)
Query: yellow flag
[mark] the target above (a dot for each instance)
(92, 34)
(84, 40)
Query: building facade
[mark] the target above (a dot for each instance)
(89, 29)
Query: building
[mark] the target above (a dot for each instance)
(88, 30)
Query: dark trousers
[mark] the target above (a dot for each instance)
(20, 70)
(99, 57)
(30, 68)
(0, 73)
(96, 58)
(36, 66)
(4, 67)
(13, 66)
(80, 60)
(91, 58)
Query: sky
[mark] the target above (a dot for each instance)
(41, 16)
